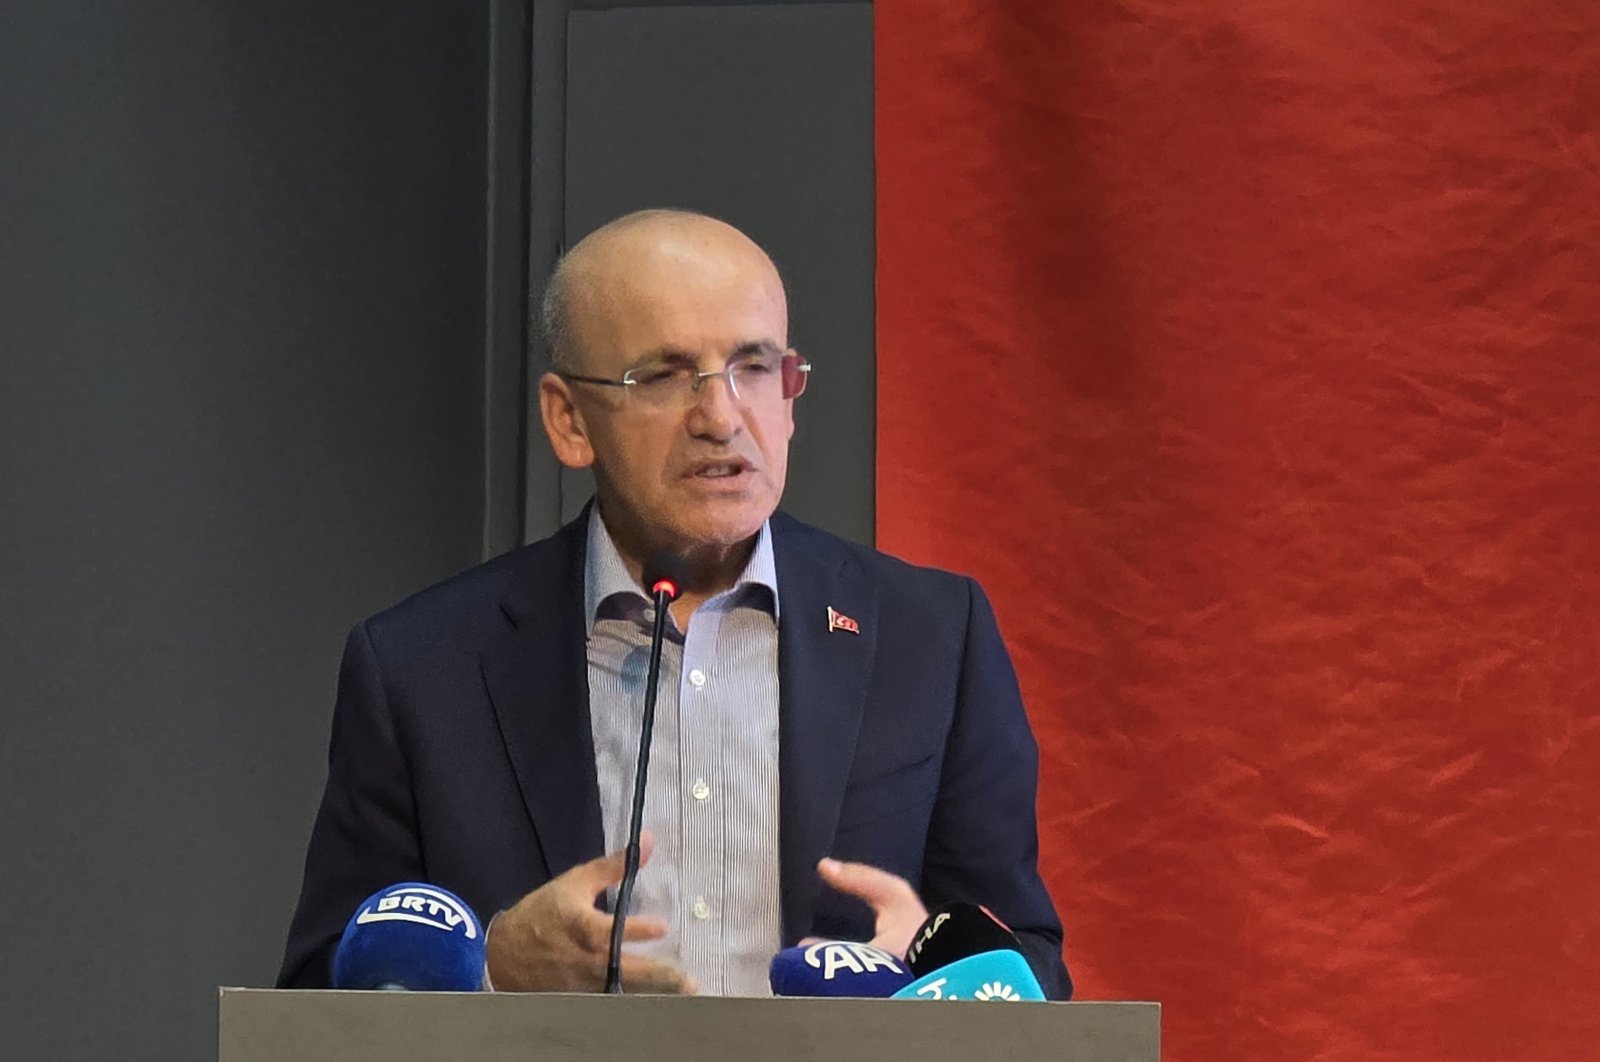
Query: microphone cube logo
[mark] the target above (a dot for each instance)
(926, 935)
(989, 990)
(989, 976)
(834, 956)
(412, 936)
(422, 905)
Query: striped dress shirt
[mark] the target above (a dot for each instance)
(711, 799)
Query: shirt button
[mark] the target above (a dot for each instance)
(702, 910)
(697, 678)
(700, 790)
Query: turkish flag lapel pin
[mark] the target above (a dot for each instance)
(838, 621)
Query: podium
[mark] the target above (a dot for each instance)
(262, 1025)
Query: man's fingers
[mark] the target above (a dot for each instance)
(895, 904)
(597, 875)
(879, 888)
(595, 930)
(554, 939)
(642, 927)
(647, 976)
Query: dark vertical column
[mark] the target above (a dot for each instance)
(242, 404)
(546, 237)
(506, 316)
(760, 114)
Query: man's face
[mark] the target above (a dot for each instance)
(705, 472)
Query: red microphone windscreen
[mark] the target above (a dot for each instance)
(664, 572)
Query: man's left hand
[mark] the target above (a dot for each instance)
(894, 902)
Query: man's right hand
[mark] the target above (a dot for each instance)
(555, 940)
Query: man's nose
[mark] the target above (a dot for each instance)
(715, 411)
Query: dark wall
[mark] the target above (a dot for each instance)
(242, 405)
(759, 113)
(263, 275)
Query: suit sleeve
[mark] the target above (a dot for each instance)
(365, 835)
(983, 844)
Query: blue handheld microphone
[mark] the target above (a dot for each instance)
(837, 968)
(992, 975)
(412, 936)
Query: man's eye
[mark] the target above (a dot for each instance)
(655, 375)
(756, 367)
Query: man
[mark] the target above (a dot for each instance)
(839, 735)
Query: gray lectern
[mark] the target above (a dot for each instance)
(258, 1025)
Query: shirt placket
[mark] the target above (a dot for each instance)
(700, 801)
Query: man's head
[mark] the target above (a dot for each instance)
(699, 474)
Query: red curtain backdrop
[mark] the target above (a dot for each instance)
(1249, 353)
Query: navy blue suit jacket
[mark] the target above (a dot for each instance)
(461, 751)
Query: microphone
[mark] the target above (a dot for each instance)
(955, 931)
(837, 968)
(413, 937)
(992, 975)
(664, 574)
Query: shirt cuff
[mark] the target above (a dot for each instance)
(488, 984)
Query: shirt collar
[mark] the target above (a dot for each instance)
(605, 575)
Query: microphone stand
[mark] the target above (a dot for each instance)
(664, 591)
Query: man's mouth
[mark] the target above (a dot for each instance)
(719, 469)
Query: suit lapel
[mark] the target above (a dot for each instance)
(537, 676)
(823, 677)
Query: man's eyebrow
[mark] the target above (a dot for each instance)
(755, 346)
(670, 354)
(678, 356)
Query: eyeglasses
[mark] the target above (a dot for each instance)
(753, 378)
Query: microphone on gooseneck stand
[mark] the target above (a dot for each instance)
(413, 937)
(664, 577)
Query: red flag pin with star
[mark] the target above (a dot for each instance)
(838, 621)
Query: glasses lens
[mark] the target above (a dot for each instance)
(757, 377)
(754, 378)
(661, 383)
(796, 370)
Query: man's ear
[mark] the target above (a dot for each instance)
(563, 422)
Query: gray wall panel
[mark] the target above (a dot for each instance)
(242, 391)
(761, 115)
(260, 375)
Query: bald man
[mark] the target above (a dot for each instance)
(839, 743)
